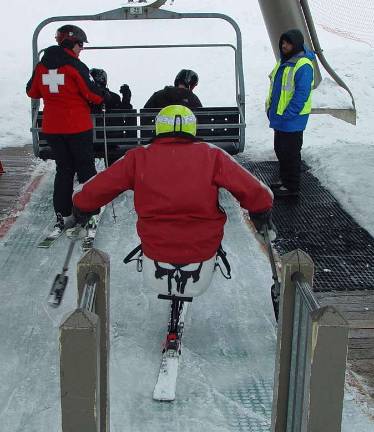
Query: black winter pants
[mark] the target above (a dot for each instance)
(287, 147)
(73, 154)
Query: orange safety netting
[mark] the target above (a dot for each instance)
(351, 19)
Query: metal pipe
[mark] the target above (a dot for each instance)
(305, 291)
(160, 46)
(89, 292)
(294, 361)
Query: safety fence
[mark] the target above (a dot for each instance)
(312, 347)
(350, 19)
(84, 350)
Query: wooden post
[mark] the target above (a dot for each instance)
(327, 370)
(98, 262)
(80, 372)
(292, 262)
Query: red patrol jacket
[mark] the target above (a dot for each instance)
(64, 83)
(175, 182)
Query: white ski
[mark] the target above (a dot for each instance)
(51, 238)
(166, 384)
(167, 378)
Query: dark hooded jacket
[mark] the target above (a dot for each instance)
(291, 120)
(294, 37)
(64, 84)
(171, 95)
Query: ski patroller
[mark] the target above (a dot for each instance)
(165, 387)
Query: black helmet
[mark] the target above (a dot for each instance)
(69, 35)
(99, 76)
(187, 77)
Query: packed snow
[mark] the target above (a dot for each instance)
(226, 326)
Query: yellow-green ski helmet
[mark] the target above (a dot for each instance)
(176, 119)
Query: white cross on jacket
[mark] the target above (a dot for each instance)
(53, 80)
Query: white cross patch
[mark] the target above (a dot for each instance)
(53, 80)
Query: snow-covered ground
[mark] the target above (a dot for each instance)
(341, 156)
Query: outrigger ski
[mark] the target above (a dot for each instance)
(165, 387)
(57, 291)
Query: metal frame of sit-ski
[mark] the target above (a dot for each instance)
(125, 129)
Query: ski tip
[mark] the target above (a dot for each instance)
(163, 396)
(165, 387)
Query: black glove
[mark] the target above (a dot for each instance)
(125, 92)
(262, 220)
(81, 217)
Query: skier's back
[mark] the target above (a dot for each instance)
(179, 94)
(175, 180)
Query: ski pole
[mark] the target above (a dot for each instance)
(106, 155)
(61, 280)
(275, 288)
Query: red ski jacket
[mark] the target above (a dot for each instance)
(63, 82)
(175, 183)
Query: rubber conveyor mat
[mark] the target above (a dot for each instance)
(342, 251)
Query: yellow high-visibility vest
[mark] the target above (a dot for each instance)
(288, 87)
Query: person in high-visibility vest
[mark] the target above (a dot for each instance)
(288, 106)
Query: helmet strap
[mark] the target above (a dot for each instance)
(178, 118)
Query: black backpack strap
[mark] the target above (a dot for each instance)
(130, 257)
(222, 255)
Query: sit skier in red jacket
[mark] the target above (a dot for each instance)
(64, 84)
(175, 180)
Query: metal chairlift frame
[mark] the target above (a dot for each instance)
(138, 11)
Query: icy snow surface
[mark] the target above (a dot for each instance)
(223, 377)
(227, 364)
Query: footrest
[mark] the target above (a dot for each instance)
(171, 297)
